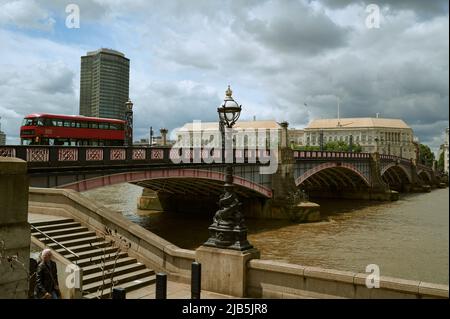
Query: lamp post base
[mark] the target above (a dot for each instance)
(228, 238)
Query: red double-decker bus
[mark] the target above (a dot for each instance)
(71, 130)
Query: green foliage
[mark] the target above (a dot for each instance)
(306, 148)
(440, 163)
(336, 146)
(426, 155)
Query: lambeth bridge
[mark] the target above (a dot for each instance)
(182, 181)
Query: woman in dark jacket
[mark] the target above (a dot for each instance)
(47, 278)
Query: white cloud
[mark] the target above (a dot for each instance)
(25, 14)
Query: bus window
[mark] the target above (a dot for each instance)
(67, 124)
(104, 126)
(28, 122)
(73, 124)
(40, 121)
(58, 123)
(93, 125)
(84, 125)
(26, 141)
(114, 126)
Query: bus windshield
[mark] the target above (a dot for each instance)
(33, 121)
(28, 122)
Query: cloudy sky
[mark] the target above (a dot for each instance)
(277, 56)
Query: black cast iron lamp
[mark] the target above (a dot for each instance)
(228, 229)
(229, 111)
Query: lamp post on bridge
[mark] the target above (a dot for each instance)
(321, 140)
(350, 146)
(228, 229)
(129, 123)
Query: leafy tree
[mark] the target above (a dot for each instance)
(426, 156)
(335, 146)
(306, 148)
(341, 146)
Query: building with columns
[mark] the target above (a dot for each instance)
(444, 149)
(2, 135)
(248, 133)
(387, 136)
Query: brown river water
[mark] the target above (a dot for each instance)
(408, 238)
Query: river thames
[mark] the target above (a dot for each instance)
(407, 239)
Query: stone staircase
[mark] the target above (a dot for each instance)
(92, 253)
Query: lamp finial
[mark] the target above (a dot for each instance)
(228, 92)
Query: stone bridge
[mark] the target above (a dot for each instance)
(194, 185)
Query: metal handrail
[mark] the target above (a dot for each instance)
(58, 243)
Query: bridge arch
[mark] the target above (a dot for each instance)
(203, 179)
(425, 176)
(399, 169)
(325, 175)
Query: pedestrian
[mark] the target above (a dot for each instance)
(47, 278)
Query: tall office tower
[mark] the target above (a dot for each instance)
(104, 84)
(2, 135)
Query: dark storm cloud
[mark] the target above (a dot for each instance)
(294, 28)
(170, 105)
(56, 79)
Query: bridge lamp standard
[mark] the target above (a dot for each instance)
(228, 229)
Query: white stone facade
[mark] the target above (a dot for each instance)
(444, 148)
(387, 136)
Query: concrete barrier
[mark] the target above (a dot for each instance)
(14, 229)
(272, 279)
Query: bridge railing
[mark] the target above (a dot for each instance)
(51, 156)
(329, 155)
(398, 159)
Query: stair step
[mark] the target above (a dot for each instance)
(61, 238)
(84, 247)
(129, 286)
(45, 228)
(91, 253)
(63, 231)
(119, 270)
(118, 280)
(76, 242)
(52, 222)
(97, 260)
(108, 265)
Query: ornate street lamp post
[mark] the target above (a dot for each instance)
(228, 229)
(129, 123)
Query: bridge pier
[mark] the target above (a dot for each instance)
(149, 200)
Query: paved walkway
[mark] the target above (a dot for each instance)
(175, 290)
(34, 218)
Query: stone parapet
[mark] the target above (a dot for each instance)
(14, 229)
(273, 279)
